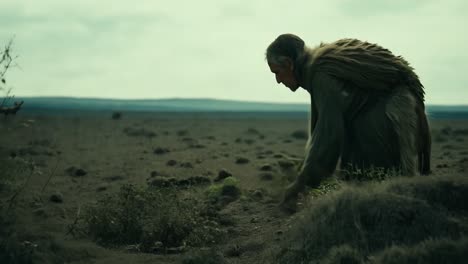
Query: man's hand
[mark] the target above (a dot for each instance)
(289, 203)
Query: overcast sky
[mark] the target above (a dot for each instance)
(215, 48)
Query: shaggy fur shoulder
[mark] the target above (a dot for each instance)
(365, 65)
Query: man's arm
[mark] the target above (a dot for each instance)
(324, 148)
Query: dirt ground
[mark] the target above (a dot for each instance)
(112, 152)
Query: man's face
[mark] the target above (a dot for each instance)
(285, 75)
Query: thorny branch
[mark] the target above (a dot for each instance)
(6, 60)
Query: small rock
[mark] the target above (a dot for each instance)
(160, 151)
(175, 250)
(252, 131)
(182, 133)
(300, 134)
(249, 141)
(233, 251)
(171, 163)
(242, 160)
(157, 173)
(116, 115)
(258, 194)
(113, 178)
(231, 191)
(187, 165)
(266, 167)
(254, 220)
(162, 182)
(266, 176)
(40, 212)
(101, 188)
(56, 198)
(75, 172)
(222, 174)
(286, 164)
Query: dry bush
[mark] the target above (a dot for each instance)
(358, 222)
(153, 219)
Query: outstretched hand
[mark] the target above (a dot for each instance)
(289, 203)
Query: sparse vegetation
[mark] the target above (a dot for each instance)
(225, 192)
(356, 223)
(153, 219)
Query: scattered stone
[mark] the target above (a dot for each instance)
(461, 132)
(175, 250)
(139, 132)
(159, 181)
(254, 220)
(156, 173)
(252, 131)
(231, 191)
(133, 248)
(28, 151)
(446, 130)
(101, 188)
(42, 143)
(222, 174)
(113, 178)
(266, 167)
(300, 134)
(187, 165)
(75, 172)
(194, 180)
(56, 197)
(242, 160)
(40, 212)
(226, 220)
(171, 163)
(160, 151)
(162, 182)
(116, 115)
(249, 141)
(266, 176)
(182, 133)
(286, 164)
(233, 251)
(258, 194)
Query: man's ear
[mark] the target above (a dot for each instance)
(289, 64)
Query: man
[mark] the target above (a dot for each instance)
(367, 108)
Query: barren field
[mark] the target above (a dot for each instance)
(220, 175)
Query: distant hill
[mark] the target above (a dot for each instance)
(194, 105)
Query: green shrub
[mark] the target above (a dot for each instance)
(204, 257)
(369, 219)
(431, 251)
(149, 217)
(225, 192)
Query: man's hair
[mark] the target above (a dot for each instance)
(285, 46)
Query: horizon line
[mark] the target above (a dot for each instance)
(191, 98)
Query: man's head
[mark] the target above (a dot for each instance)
(282, 55)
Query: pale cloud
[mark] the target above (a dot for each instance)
(159, 49)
